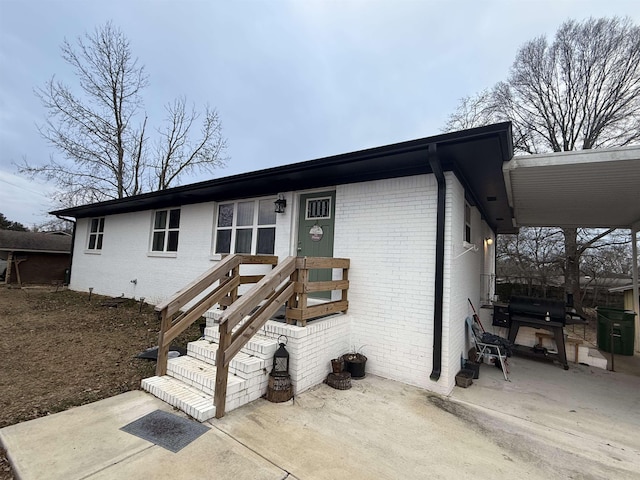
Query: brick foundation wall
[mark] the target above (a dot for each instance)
(311, 348)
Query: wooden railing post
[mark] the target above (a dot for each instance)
(345, 277)
(163, 350)
(293, 301)
(222, 370)
(303, 278)
(235, 272)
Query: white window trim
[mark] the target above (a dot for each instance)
(95, 251)
(163, 253)
(254, 227)
(160, 254)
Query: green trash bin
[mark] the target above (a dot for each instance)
(623, 324)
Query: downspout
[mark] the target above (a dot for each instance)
(635, 291)
(73, 241)
(436, 168)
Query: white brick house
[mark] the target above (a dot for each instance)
(382, 208)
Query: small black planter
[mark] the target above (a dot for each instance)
(355, 363)
(474, 367)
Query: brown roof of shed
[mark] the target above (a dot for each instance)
(34, 242)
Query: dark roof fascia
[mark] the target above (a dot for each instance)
(404, 159)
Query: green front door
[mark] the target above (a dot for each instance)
(315, 232)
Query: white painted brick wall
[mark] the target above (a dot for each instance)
(126, 255)
(462, 278)
(387, 228)
(311, 348)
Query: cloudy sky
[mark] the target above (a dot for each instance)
(291, 80)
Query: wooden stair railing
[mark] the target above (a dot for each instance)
(288, 282)
(274, 290)
(227, 274)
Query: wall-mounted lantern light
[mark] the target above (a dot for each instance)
(280, 204)
(489, 241)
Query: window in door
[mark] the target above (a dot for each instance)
(318, 208)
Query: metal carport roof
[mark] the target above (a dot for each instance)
(590, 188)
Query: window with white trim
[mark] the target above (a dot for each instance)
(247, 226)
(166, 229)
(96, 231)
(467, 223)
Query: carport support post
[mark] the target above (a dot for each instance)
(636, 294)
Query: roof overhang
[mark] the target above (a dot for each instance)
(589, 188)
(476, 156)
(27, 250)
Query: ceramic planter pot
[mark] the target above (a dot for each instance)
(355, 363)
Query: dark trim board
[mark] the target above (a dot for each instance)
(475, 156)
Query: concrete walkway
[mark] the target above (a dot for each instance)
(545, 423)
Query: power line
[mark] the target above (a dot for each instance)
(22, 187)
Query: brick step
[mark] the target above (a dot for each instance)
(201, 375)
(242, 365)
(259, 345)
(190, 400)
(213, 316)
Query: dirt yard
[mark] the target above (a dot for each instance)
(62, 349)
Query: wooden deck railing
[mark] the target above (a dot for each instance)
(298, 310)
(227, 274)
(288, 282)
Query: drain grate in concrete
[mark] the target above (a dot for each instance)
(166, 430)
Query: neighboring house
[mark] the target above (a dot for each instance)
(627, 291)
(34, 258)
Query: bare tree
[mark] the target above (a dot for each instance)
(580, 91)
(177, 153)
(100, 129)
(534, 256)
(473, 111)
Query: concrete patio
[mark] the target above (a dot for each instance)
(545, 423)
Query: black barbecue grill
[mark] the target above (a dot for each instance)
(543, 310)
(539, 313)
